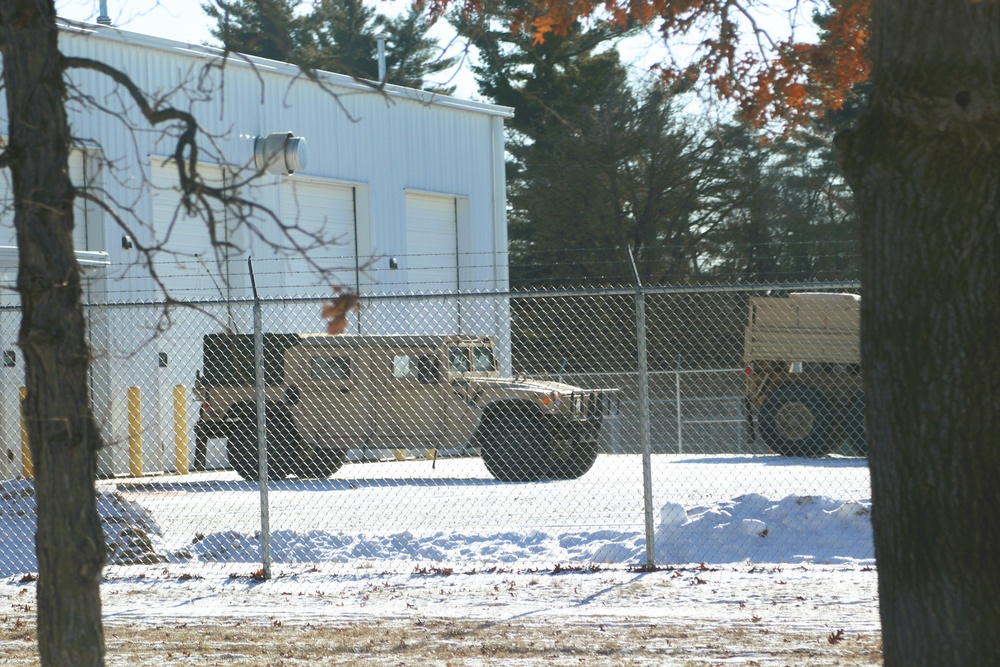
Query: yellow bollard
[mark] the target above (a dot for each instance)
(180, 430)
(431, 453)
(134, 433)
(27, 467)
(399, 454)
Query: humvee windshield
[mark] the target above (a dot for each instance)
(483, 360)
(458, 359)
(477, 359)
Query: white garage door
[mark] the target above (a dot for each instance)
(79, 177)
(319, 218)
(188, 265)
(431, 243)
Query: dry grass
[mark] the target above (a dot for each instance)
(236, 642)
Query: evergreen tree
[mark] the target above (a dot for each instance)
(780, 212)
(336, 35)
(594, 167)
(265, 28)
(411, 55)
(344, 33)
(598, 162)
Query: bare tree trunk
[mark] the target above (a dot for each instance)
(924, 163)
(61, 428)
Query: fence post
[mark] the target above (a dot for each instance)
(134, 403)
(677, 391)
(259, 396)
(644, 434)
(180, 430)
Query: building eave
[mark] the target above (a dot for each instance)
(340, 81)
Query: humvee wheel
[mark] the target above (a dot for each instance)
(239, 448)
(797, 420)
(575, 461)
(856, 426)
(241, 445)
(323, 463)
(516, 445)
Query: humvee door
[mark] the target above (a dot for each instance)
(412, 407)
(330, 395)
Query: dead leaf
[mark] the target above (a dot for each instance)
(336, 312)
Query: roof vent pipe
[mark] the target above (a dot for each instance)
(380, 40)
(103, 18)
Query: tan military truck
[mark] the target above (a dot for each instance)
(327, 394)
(803, 374)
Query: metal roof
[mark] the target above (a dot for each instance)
(242, 60)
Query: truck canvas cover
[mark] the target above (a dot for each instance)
(229, 358)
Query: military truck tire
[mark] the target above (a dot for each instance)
(855, 426)
(241, 445)
(323, 463)
(241, 448)
(797, 420)
(516, 445)
(575, 462)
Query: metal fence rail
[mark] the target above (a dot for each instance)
(476, 429)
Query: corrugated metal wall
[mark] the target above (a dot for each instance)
(387, 143)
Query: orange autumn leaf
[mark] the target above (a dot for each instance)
(336, 312)
(790, 83)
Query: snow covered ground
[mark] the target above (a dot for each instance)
(451, 514)
(738, 538)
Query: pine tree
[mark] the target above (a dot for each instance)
(265, 28)
(336, 36)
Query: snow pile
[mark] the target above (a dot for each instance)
(751, 527)
(606, 546)
(17, 528)
(748, 528)
(129, 531)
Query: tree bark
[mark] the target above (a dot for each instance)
(925, 167)
(62, 431)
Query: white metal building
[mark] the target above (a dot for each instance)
(407, 186)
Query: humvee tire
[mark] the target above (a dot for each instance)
(856, 438)
(241, 444)
(322, 464)
(797, 420)
(575, 461)
(516, 444)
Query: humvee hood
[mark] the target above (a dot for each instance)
(522, 384)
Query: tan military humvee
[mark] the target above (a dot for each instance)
(328, 394)
(802, 355)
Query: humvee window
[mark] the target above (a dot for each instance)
(404, 367)
(482, 359)
(330, 369)
(458, 359)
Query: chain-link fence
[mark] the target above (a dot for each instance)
(533, 429)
